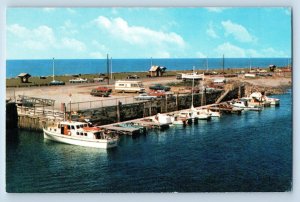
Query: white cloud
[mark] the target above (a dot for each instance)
(68, 28)
(138, 35)
(271, 52)
(99, 46)
(200, 55)
(39, 38)
(239, 32)
(211, 31)
(97, 55)
(216, 9)
(73, 44)
(42, 38)
(230, 50)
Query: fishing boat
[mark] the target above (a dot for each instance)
(201, 114)
(242, 104)
(265, 99)
(214, 113)
(163, 118)
(81, 134)
(181, 119)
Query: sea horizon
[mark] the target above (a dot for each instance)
(43, 67)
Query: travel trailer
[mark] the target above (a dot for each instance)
(129, 86)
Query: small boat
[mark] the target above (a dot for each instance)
(214, 113)
(163, 118)
(200, 114)
(273, 101)
(244, 105)
(181, 119)
(142, 130)
(81, 134)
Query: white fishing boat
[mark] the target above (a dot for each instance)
(163, 118)
(201, 114)
(264, 98)
(181, 119)
(273, 101)
(79, 133)
(214, 113)
(242, 104)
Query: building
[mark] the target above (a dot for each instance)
(24, 77)
(157, 70)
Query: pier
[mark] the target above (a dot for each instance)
(34, 113)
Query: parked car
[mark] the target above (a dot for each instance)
(101, 91)
(157, 93)
(133, 76)
(145, 96)
(56, 83)
(160, 87)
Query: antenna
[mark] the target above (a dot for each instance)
(151, 61)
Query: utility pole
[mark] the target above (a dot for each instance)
(111, 68)
(53, 69)
(107, 65)
(223, 64)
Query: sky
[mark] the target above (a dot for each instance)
(91, 33)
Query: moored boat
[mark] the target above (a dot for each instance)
(242, 104)
(81, 134)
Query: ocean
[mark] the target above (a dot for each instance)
(251, 152)
(92, 66)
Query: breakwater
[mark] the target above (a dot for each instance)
(32, 120)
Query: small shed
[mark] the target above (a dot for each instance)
(157, 70)
(24, 77)
(272, 68)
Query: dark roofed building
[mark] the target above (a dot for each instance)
(157, 70)
(24, 77)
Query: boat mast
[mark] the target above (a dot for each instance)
(53, 69)
(192, 106)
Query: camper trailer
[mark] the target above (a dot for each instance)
(129, 86)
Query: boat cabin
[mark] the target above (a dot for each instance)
(79, 129)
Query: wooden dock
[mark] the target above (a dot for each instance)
(123, 130)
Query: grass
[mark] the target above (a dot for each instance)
(36, 81)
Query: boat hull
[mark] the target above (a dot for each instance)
(101, 143)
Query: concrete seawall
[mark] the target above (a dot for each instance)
(122, 112)
(113, 114)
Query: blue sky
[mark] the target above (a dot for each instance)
(79, 33)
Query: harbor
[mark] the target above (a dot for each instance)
(188, 152)
(149, 100)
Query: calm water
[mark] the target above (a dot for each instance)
(250, 152)
(87, 66)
